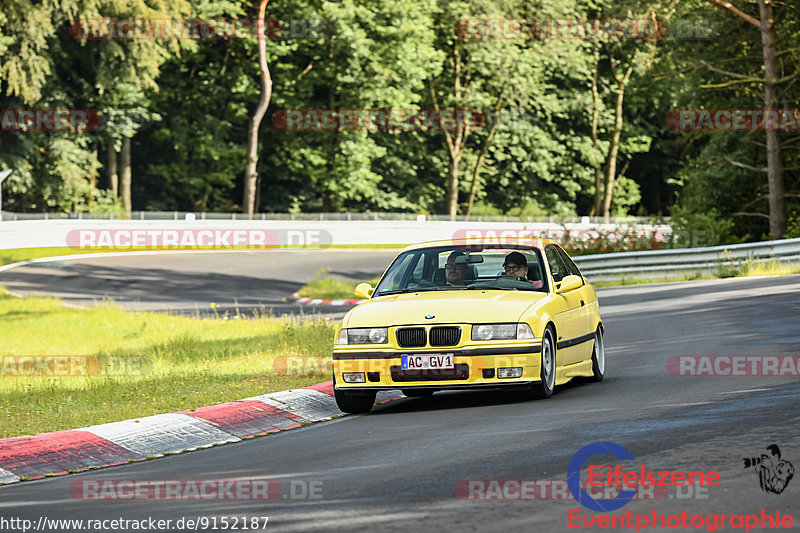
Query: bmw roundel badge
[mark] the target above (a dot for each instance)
(429, 316)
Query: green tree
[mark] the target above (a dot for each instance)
(371, 55)
(724, 171)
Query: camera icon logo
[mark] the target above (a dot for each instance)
(774, 473)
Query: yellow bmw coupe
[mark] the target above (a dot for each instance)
(467, 314)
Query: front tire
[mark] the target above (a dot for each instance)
(598, 357)
(544, 388)
(349, 402)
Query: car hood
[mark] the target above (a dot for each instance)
(447, 307)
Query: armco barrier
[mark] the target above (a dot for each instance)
(661, 263)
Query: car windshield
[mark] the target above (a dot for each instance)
(457, 268)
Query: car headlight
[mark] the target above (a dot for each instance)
(363, 336)
(494, 332)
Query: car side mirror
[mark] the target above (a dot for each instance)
(569, 283)
(364, 290)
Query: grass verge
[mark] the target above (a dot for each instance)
(330, 288)
(161, 362)
(26, 254)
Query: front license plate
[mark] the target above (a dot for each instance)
(437, 361)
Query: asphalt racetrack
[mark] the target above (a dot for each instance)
(190, 282)
(420, 464)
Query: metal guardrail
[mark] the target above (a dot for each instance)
(181, 215)
(662, 263)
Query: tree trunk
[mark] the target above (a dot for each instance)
(597, 205)
(452, 192)
(613, 149)
(777, 202)
(455, 146)
(92, 181)
(248, 202)
(126, 175)
(473, 190)
(113, 177)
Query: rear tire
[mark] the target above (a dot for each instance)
(349, 402)
(544, 388)
(417, 393)
(598, 357)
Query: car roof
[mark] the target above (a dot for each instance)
(490, 241)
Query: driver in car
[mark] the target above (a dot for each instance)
(455, 273)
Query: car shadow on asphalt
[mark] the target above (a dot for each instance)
(469, 398)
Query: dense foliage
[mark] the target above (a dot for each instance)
(571, 125)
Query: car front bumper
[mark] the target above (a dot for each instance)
(474, 368)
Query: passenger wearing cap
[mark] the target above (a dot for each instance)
(516, 266)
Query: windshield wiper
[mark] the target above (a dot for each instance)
(492, 287)
(502, 288)
(403, 291)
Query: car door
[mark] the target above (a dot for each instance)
(588, 301)
(570, 318)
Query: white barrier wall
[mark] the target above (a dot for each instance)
(123, 233)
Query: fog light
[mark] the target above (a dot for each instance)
(374, 377)
(511, 372)
(354, 377)
(488, 373)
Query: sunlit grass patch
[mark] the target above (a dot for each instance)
(176, 362)
(768, 268)
(26, 254)
(645, 281)
(330, 288)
